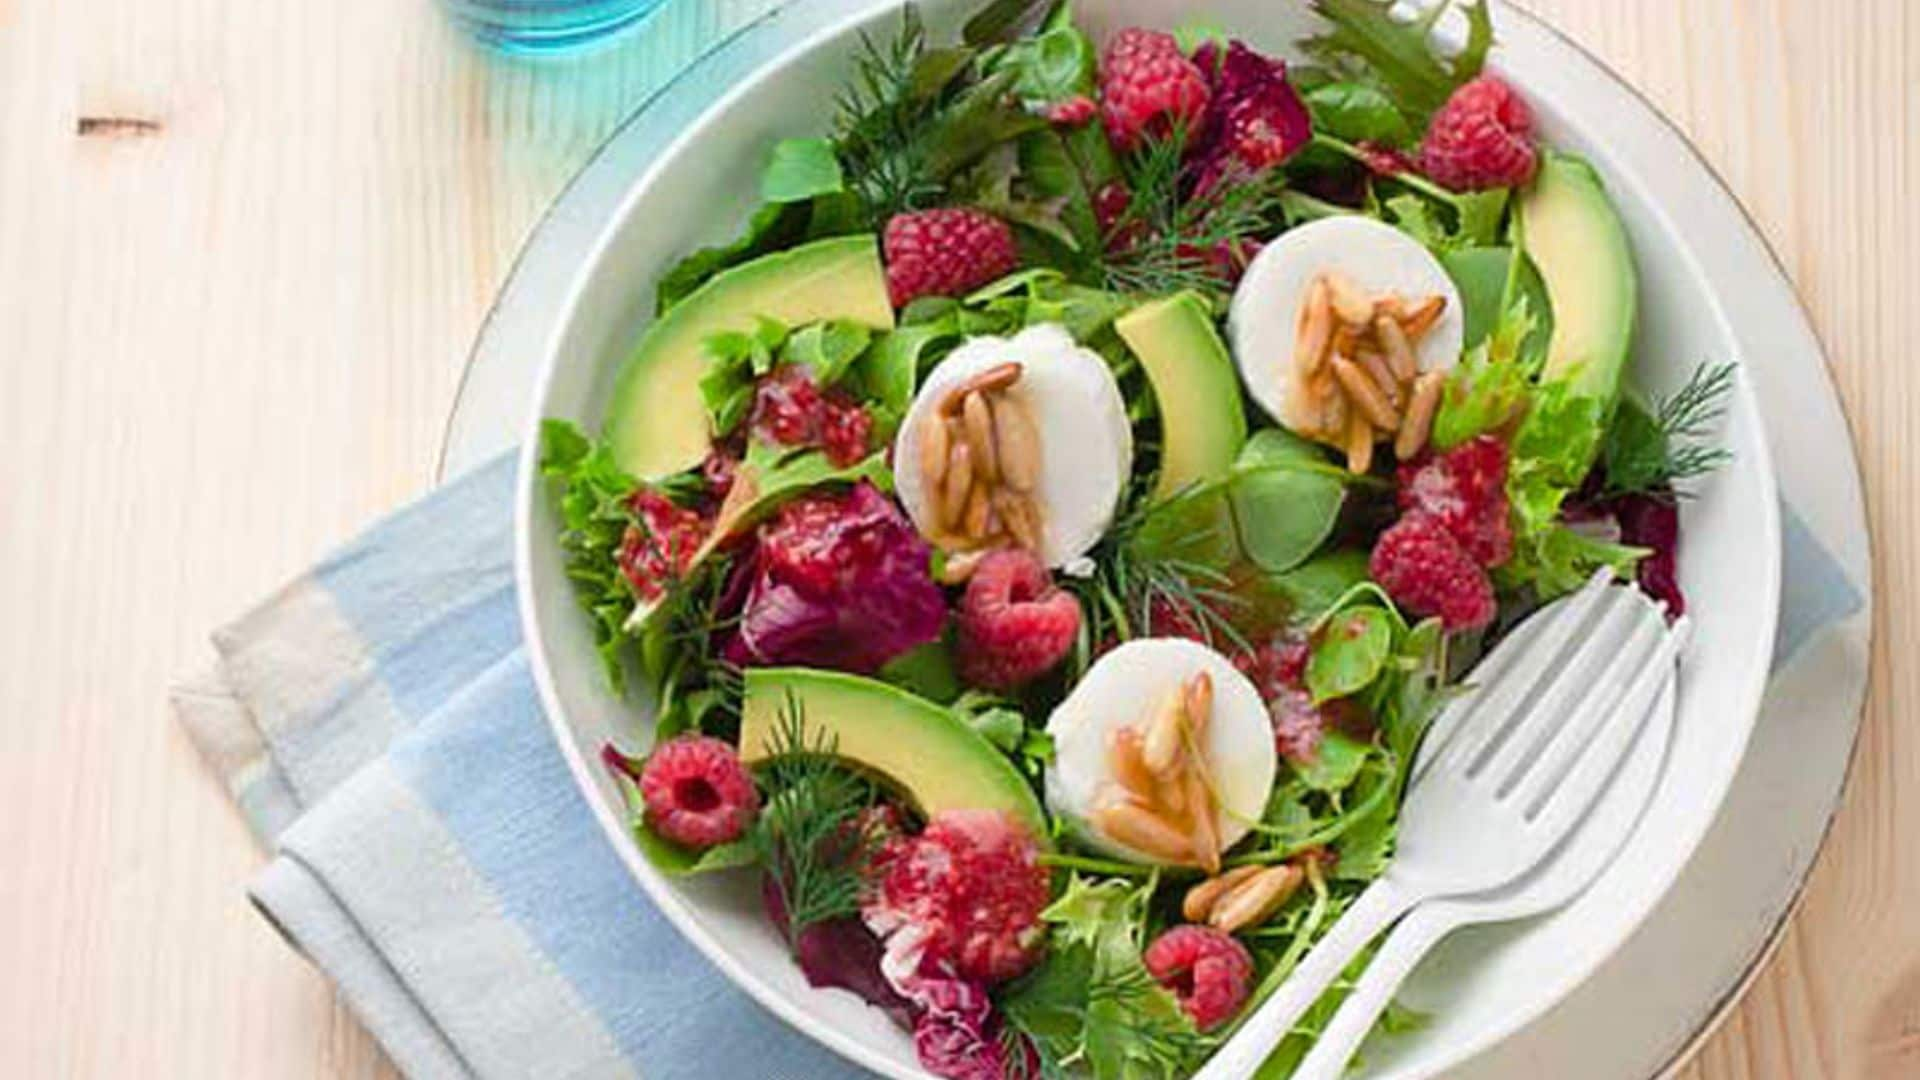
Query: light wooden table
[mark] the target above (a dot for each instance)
(243, 249)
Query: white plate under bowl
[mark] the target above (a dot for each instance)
(1486, 985)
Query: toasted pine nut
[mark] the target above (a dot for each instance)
(1420, 317)
(1399, 350)
(1170, 794)
(1254, 900)
(1354, 307)
(1419, 425)
(1204, 831)
(1314, 330)
(1020, 516)
(1162, 739)
(1018, 443)
(992, 380)
(1359, 443)
(1123, 755)
(1375, 365)
(958, 482)
(1333, 407)
(978, 521)
(959, 567)
(1197, 702)
(1200, 899)
(1366, 395)
(934, 444)
(976, 422)
(1143, 830)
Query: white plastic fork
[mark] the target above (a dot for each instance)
(1565, 874)
(1534, 744)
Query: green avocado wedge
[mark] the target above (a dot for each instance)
(924, 751)
(1202, 421)
(1574, 236)
(657, 422)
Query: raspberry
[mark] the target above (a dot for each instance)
(1014, 624)
(1148, 87)
(844, 430)
(1479, 138)
(1427, 573)
(945, 253)
(661, 545)
(1206, 969)
(697, 792)
(1073, 112)
(1465, 491)
(787, 407)
(961, 900)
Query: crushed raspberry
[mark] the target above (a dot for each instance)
(1480, 138)
(1073, 112)
(962, 900)
(696, 791)
(1014, 623)
(1148, 87)
(958, 1034)
(718, 470)
(845, 430)
(1426, 572)
(1278, 669)
(1465, 491)
(1383, 160)
(945, 253)
(1209, 971)
(661, 545)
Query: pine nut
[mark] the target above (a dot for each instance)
(1419, 426)
(1255, 900)
(1205, 832)
(1420, 318)
(1354, 307)
(1359, 443)
(1375, 365)
(1399, 350)
(1197, 700)
(992, 380)
(1366, 396)
(978, 520)
(958, 482)
(1018, 443)
(976, 423)
(958, 568)
(1162, 745)
(1333, 407)
(1143, 830)
(1313, 330)
(1020, 516)
(1123, 756)
(1200, 899)
(934, 444)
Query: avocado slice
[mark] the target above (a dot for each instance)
(1202, 421)
(1574, 236)
(657, 423)
(925, 751)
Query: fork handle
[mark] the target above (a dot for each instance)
(1419, 932)
(1385, 900)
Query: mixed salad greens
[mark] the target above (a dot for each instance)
(1043, 535)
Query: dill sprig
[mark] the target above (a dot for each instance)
(1655, 451)
(810, 835)
(1167, 238)
(879, 113)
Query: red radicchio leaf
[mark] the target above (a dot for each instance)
(1255, 119)
(839, 953)
(841, 582)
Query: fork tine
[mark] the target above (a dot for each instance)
(1555, 797)
(1498, 690)
(1508, 702)
(1587, 683)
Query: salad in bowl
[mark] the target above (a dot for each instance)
(1033, 549)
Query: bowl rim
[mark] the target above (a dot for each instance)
(679, 912)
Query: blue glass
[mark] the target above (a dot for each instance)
(545, 27)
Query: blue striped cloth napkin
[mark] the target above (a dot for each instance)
(376, 723)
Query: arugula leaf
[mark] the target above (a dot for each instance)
(801, 169)
(1315, 586)
(773, 227)
(1357, 112)
(591, 493)
(925, 671)
(1350, 653)
(1007, 20)
(828, 349)
(1364, 40)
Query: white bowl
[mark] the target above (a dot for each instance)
(1485, 984)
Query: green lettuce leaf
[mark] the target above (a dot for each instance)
(591, 493)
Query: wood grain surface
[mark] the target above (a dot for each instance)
(243, 250)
